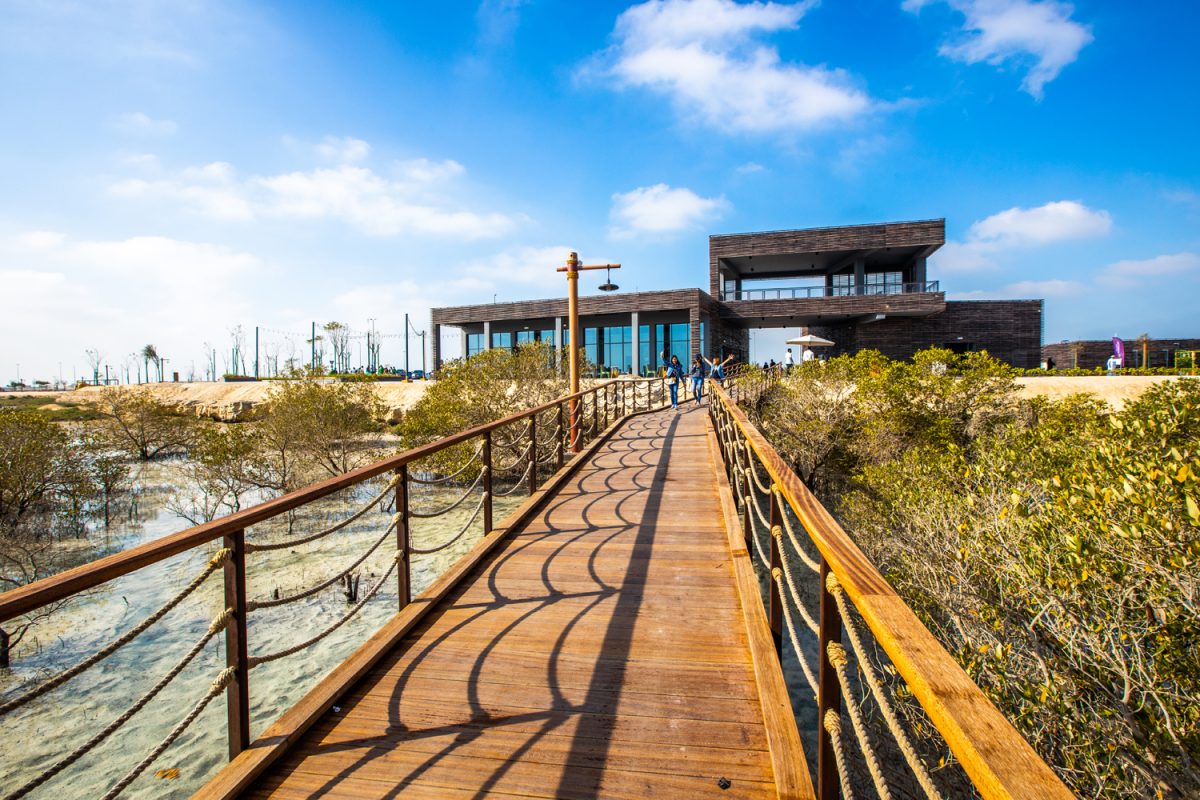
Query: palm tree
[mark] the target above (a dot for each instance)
(150, 354)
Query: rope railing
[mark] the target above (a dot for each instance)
(275, 602)
(540, 436)
(444, 479)
(259, 547)
(455, 537)
(218, 624)
(483, 473)
(993, 756)
(255, 661)
(216, 562)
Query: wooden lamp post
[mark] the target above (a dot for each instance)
(573, 268)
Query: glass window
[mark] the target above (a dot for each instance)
(618, 349)
(591, 337)
(676, 340)
(645, 357)
(884, 283)
(843, 285)
(703, 341)
(474, 343)
(526, 337)
(504, 340)
(547, 337)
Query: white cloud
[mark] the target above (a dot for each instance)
(750, 168)
(115, 295)
(1041, 35)
(534, 266)
(1048, 288)
(40, 240)
(417, 202)
(346, 150)
(659, 209)
(138, 122)
(702, 55)
(1015, 228)
(1130, 273)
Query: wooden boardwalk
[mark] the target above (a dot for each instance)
(601, 650)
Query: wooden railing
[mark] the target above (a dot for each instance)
(539, 440)
(995, 758)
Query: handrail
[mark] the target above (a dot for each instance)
(995, 757)
(87, 576)
(797, 292)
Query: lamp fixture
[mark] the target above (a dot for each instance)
(608, 285)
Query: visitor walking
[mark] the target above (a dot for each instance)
(718, 368)
(674, 377)
(697, 373)
(789, 361)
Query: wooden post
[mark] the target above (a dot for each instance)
(403, 568)
(595, 409)
(487, 482)
(562, 447)
(775, 609)
(533, 454)
(829, 692)
(237, 693)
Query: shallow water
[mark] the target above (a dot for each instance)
(37, 735)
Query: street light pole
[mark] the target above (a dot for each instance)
(407, 371)
(573, 268)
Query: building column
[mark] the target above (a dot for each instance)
(435, 346)
(462, 331)
(487, 336)
(860, 276)
(558, 342)
(637, 348)
(918, 271)
(694, 329)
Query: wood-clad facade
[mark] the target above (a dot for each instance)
(862, 286)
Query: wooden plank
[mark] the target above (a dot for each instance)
(790, 767)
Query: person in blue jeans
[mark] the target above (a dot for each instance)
(673, 375)
(718, 368)
(697, 373)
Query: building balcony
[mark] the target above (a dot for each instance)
(825, 305)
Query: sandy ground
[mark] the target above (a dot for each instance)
(1116, 390)
(231, 401)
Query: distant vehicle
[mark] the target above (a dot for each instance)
(418, 375)
(401, 374)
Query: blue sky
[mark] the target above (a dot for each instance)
(174, 169)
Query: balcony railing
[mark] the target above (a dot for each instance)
(800, 292)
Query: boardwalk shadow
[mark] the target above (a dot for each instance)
(641, 450)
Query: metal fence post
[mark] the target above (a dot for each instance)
(829, 692)
(487, 481)
(533, 454)
(776, 607)
(403, 568)
(562, 431)
(237, 693)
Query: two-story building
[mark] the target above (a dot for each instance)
(861, 286)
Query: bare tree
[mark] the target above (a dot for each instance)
(237, 335)
(339, 339)
(94, 359)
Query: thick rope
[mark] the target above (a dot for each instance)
(791, 626)
(255, 605)
(261, 548)
(791, 584)
(218, 624)
(838, 659)
(462, 499)
(215, 563)
(254, 661)
(447, 478)
(455, 537)
(750, 459)
(223, 679)
(880, 692)
(808, 561)
(833, 726)
(518, 485)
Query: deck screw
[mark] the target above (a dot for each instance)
(724, 782)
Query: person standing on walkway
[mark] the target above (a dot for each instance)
(789, 361)
(718, 367)
(697, 372)
(674, 376)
